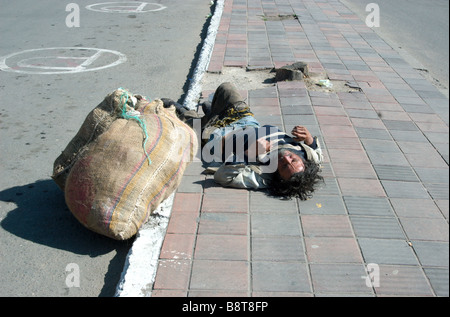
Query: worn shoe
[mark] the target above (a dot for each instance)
(206, 107)
(169, 102)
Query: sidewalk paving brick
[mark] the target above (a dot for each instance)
(384, 200)
(333, 250)
(387, 251)
(403, 281)
(280, 277)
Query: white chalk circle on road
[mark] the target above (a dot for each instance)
(126, 7)
(60, 60)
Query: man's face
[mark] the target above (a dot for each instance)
(289, 163)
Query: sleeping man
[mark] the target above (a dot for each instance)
(244, 154)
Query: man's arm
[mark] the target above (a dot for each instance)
(300, 134)
(241, 176)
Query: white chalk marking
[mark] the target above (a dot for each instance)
(90, 60)
(141, 7)
(36, 63)
(125, 7)
(42, 64)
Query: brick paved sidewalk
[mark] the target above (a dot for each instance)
(385, 199)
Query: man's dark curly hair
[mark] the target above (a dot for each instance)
(301, 185)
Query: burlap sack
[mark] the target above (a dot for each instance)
(111, 185)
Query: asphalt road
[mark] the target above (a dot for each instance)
(418, 30)
(46, 94)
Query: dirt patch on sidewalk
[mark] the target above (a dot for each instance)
(242, 78)
(259, 79)
(313, 83)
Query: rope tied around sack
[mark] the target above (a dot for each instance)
(134, 115)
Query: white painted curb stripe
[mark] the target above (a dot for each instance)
(195, 88)
(142, 259)
(141, 264)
